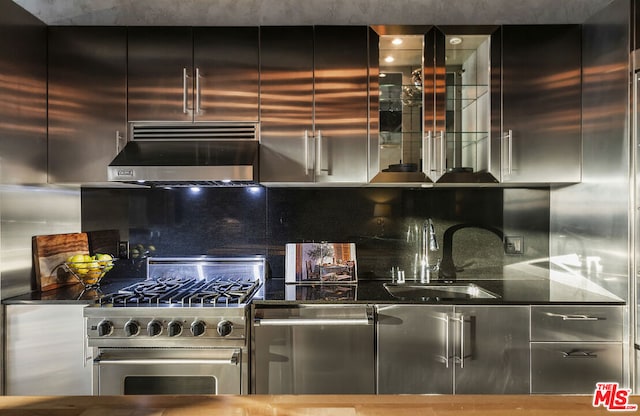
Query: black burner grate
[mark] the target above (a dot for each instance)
(220, 291)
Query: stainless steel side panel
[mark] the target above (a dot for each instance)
(415, 349)
(23, 88)
(565, 367)
(494, 350)
(46, 350)
(576, 323)
(157, 57)
(227, 60)
(341, 103)
(286, 104)
(313, 350)
(87, 101)
(541, 93)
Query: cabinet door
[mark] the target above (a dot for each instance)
(492, 349)
(341, 103)
(50, 360)
(286, 104)
(23, 92)
(87, 101)
(160, 68)
(541, 84)
(226, 61)
(415, 349)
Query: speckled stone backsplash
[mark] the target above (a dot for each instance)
(381, 221)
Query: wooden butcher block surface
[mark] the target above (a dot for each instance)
(49, 252)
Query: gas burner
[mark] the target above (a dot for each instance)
(221, 292)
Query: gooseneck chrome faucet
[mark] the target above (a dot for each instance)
(448, 269)
(428, 244)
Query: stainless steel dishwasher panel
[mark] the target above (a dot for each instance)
(313, 349)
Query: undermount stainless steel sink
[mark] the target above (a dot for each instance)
(438, 291)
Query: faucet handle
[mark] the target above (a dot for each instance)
(433, 241)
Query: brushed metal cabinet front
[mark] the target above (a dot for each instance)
(23, 108)
(493, 350)
(286, 104)
(415, 349)
(87, 101)
(341, 103)
(577, 323)
(314, 104)
(541, 103)
(160, 61)
(226, 66)
(574, 367)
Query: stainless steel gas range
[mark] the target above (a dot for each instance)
(183, 330)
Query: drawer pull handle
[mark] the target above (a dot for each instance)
(574, 317)
(579, 318)
(578, 354)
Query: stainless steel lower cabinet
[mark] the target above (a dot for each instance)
(313, 349)
(445, 349)
(574, 367)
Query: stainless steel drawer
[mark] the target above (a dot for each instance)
(576, 323)
(574, 367)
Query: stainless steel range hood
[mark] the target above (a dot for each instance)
(185, 154)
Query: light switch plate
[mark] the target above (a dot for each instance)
(123, 249)
(514, 244)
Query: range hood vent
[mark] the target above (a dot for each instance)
(207, 131)
(188, 154)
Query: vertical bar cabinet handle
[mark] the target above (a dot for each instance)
(446, 341)
(443, 153)
(306, 152)
(197, 99)
(319, 153)
(461, 341)
(184, 91)
(426, 153)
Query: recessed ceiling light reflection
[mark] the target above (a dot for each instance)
(397, 41)
(226, 181)
(382, 75)
(455, 41)
(389, 59)
(195, 189)
(254, 189)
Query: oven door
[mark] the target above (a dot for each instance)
(126, 371)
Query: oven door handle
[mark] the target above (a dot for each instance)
(233, 360)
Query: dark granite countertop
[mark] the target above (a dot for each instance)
(275, 291)
(513, 291)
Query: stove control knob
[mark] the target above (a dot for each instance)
(224, 328)
(132, 328)
(197, 328)
(174, 328)
(154, 328)
(105, 328)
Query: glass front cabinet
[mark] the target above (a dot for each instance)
(435, 104)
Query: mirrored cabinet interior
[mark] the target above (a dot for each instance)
(437, 100)
(401, 103)
(468, 102)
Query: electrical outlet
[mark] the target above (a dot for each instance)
(123, 250)
(514, 245)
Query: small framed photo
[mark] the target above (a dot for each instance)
(321, 263)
